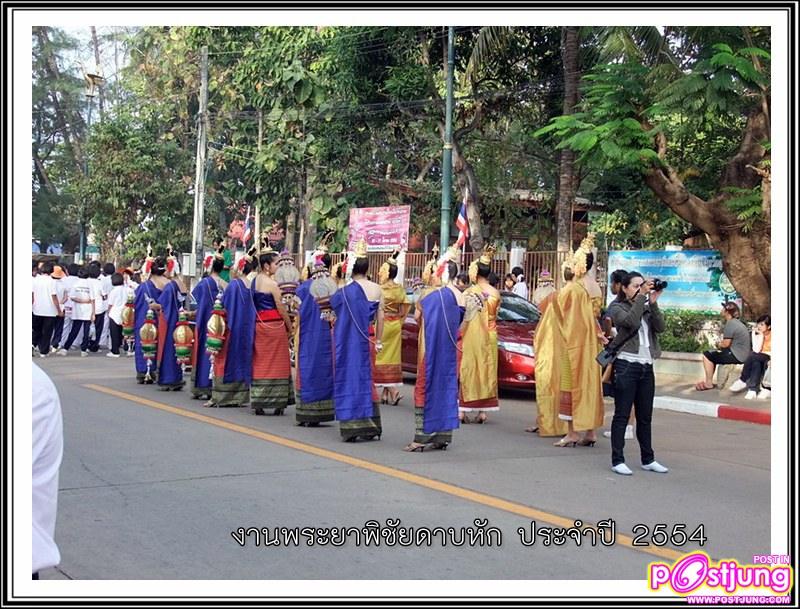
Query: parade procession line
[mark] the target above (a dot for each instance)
(429, 483)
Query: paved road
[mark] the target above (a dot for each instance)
(152, 486)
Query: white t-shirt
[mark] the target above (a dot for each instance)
(105, 282)
(48, 448)
(521, 289)
(82, 290)
(44, 288)
(100, 303)
(117, 300)
(67, 283)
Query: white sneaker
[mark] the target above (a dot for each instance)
(109, 354)
(43, 355)
(607, 434)
(84, 354)
(130, 354)
(621, 469)
(764, 394)
(750, 395)
(62, 352)
(655, 466)
(738, 385)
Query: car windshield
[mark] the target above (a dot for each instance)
(516, 308)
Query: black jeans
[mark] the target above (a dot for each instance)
(753, 370)
(77, 326)
(99, 318)
(634, 385)
(58, 330)
(43, 332)
(116, 336)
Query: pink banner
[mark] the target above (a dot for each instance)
(384, 228)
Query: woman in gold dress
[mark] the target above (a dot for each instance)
(388, 363)
(478, 368)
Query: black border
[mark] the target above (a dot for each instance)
(790, 7)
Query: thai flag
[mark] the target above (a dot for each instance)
(247, 233)
(463, 232)
(462, 224)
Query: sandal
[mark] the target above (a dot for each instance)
(414, 448)
(441, 445)
(464, 420)
(532, 429)
(701, 386)
(209, 404)
(481, 418)
(563, 442)
(397, 401)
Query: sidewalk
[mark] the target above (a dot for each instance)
(678, 394)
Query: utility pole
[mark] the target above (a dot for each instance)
(200, 169)
(447, 157)
(257, 232)
(93, 84)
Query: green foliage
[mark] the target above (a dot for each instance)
(684, 331)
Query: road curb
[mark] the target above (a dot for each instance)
(710, 409)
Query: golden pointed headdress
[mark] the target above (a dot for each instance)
(383, 272)
(579, 259)
(429, 270)
(485, 258)
(322, 248)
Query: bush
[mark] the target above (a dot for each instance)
(687, 331)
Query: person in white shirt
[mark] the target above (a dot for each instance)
(100, 305)
(67, 283)
(106, 287)
(82, 297)
(117, 300)
(46, 308)
(128, 273)
(48, 447)
(62, 292)
(520, 287)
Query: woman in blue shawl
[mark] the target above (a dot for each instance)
(314, 361)
(354, 396)
(204, 294)
(233, 364)
(439, 314)
(147, 293)
(170, 373)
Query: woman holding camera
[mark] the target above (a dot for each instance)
(638, 321)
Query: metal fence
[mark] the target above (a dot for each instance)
(532, 264)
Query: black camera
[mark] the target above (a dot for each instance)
(659, 285)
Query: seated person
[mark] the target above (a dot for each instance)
(756, 363)
(732, 349)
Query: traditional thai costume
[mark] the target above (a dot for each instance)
(553, 378)
(233, 364)
(145, 293)
(170, 373)
(271, 387)
(478, 367)
(314, 361)
(388, 363)
(354, 396)
(204, 294)
(436, 387)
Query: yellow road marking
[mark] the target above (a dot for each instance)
(443, 487)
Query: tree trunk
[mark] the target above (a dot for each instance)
(96, 46)
(310, 233)
(567, 175)
(70, 119)
(291, 226)
(466, 178)
(745, 256)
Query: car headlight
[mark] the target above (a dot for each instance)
(520, 348)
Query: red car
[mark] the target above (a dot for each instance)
(516, 320)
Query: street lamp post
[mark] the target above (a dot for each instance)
(93, 83)
(447, 156)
